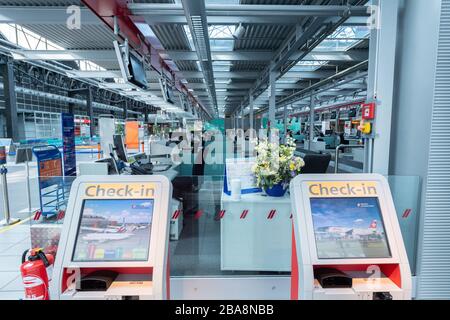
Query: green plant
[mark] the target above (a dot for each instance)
(276, 163)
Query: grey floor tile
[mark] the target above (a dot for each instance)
(8, 237)
(10, 263)
(17, 249)
(15, 285)
(11, 295)
(7, 277)
(5, 246)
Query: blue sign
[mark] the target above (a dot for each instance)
(68, 137)
(51, 182)
(2, 155)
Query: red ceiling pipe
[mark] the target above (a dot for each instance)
(106, 10)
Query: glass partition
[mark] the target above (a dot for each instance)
(211, 234)
(407, 192)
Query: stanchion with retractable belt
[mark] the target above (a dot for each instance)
(24, 156)
(3, 171)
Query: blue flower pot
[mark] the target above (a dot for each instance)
(276, 191)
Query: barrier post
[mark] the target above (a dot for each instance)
(99, 151)
(27, 167)
(3, 171)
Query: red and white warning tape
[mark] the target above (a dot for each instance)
(244, 214)
(176, 214)
(271, 214)
(406, 213)
(220, 215)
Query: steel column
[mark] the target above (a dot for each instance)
(383, 45)
(285, 122)
(251, 116)
(272, 97)
(7, 72)
(311, 122)
(146, 115)
(90, 110)
(125, 110)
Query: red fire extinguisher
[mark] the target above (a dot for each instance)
(35, 275)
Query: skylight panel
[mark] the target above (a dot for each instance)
(189, 36)
(221, 66)
(343, 38)
(308, 66)
(26, 38)
(222, 44)
(222, 1)
(221, 32)
(29, 40)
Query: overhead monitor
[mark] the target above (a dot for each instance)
(352, 113)
(131, 65)
(120, 148)
(114, 230)
(137, 72)
(167, 91)
(349, 228)
(333, 115)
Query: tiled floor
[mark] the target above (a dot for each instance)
(13, 242)
(197, 253)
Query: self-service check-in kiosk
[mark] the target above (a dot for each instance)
(115, 238)
(347, 242)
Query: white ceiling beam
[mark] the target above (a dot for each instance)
(225, 75)
(109, 55)
(235, 14)
(93, 74)
(65, 55)
(42, 15)
(243, 55)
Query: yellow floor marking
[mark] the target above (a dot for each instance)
(7, 228)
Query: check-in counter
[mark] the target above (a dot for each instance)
(255, 233)
(358, 154)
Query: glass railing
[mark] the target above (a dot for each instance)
(217, 236)
(211, 235)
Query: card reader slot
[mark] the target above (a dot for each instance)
(97, 281)
(333, 278)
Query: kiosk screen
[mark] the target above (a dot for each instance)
(349, 228)
(114, 230)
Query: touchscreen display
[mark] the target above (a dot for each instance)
(348, 228)
(114, 230)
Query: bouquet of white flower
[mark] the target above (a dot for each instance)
(276, 164)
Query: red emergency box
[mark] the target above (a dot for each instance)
(368, 111)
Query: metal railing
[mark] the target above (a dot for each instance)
(339, 147)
